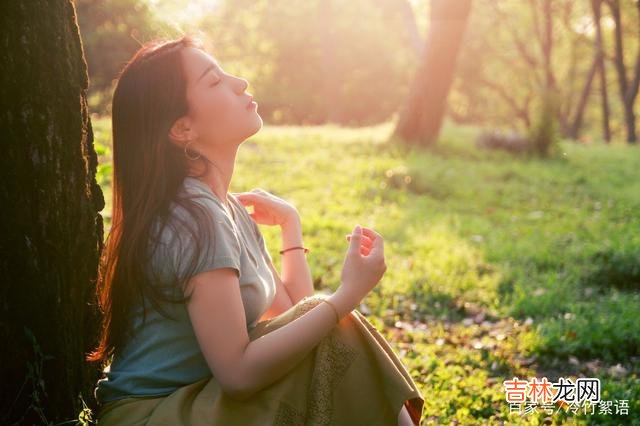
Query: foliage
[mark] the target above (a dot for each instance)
(544, 134)
(111, 31)
(307, 62)
(353, 62)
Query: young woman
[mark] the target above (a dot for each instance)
(198, 326)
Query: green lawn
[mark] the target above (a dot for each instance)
(498, 266)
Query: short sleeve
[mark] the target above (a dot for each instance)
(195, 240)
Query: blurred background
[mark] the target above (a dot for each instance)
(352, 62)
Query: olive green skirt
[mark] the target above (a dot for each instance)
(351, 377)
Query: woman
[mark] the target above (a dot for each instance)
(198, 326)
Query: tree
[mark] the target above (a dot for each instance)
(596, 7)
(421, 117)
(51, 226)
(597, 67)
(628, 86)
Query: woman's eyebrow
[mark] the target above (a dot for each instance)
(206, 70)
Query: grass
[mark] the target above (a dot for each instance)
(498, 266)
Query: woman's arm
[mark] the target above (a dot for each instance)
(272, 210)
(241, 366)
(295, 266)
(296, 275)
(281, 301)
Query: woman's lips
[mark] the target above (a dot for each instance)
(251, 103)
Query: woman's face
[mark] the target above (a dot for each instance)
(220, 112)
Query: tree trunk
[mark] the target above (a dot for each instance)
(628, 89)
(596, 7)
(597, 68)
(51, 226)
(584, 97)
(421, 117)
(547, 45)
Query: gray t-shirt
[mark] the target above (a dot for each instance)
(227, 241)
(163, 353)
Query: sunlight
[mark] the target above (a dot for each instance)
(181, 11)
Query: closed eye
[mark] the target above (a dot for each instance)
(215, 83)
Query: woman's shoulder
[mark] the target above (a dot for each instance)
(196, 227)
(194, 186)
(193, 191)
(193, 205)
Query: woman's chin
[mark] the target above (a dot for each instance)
(256, 125)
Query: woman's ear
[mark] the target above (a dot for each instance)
(181, 132)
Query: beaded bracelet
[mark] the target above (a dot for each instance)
(306, 250)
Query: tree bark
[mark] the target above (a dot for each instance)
(547, 45)
(51, 227)
(584, 97)
(628, 88)
(596, 7)
(421, 117)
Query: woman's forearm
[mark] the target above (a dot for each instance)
(271, 356)
(296, 275)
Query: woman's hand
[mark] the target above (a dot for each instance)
(267, 208)
(364, 265)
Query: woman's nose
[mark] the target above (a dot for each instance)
(243, 84)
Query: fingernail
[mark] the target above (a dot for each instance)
(357, 230)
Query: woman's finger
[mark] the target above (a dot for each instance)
(248, 197)
(364, 237)
(366, 241)
(370, 233)
(377, 248)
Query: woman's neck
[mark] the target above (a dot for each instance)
(220, 173)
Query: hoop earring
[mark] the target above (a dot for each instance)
(186, 154)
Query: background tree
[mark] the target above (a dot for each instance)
(353, 62)
(628, 82)
(573, 126)
(596, 6)
(421, 117)
(112, 30)
(51, 229)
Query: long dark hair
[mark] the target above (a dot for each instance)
(148, 171)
